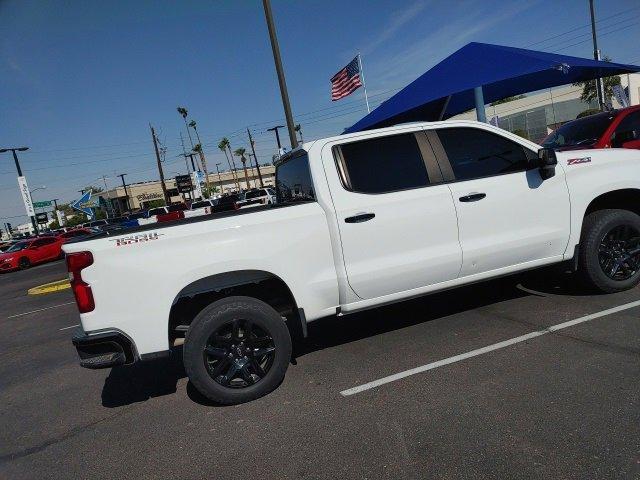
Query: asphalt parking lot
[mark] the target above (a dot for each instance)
(562, 404)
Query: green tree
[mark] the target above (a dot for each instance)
(589, 90)
(225, 146)
(589, 111)
(239, 152)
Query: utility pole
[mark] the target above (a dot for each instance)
(253, 149)
(280, 71)
(122, 175)
(155, 146)
(15, 159)
(184, 153)
(219, 178)
(596, 56)
(275, 129)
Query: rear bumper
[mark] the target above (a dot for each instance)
(104, 349)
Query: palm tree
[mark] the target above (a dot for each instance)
(184, 113)
(223, 145)
(198, 148)
(299, 130)
(240, 153)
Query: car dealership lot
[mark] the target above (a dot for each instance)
(563, 405)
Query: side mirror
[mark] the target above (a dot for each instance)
(547, 162)
(633, 144)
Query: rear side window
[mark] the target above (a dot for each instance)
(293, 181)
(476, 153)
(627, 130)
(383, 164)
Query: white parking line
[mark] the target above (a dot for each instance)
(483, 350)
(40, 310)
(70, 326)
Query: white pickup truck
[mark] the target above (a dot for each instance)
(361, 220)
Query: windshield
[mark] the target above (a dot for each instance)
(18, 246)
(255, 194)
(584, 131)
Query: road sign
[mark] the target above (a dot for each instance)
(183, 183)
(62, 218)
(197, 189)
(26, 196)
(42, 218)
(84, 204)
(45, 203)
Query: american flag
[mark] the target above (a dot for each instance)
(346, 80)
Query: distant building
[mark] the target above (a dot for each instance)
(539, 113)
(141, 194)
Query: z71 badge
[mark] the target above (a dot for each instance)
(575, 161)
(139, 238)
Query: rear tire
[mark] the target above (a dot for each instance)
(236, 350)
(609, 254)
(24, 263)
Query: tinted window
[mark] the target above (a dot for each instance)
(228, 199)
(627, 130)
(475, 153)
(583, 131)
(16, 247)
(178, 207)
(384, 164)
(255, 194)
(196, 205)
(293, 181)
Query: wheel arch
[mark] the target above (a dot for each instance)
(262, 285)
(624, 199)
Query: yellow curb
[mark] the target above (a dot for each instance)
(50, 287)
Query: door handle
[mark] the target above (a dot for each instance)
(473, 197)
(361, 217)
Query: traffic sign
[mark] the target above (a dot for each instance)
(45, 203)
(84, 204)
(42, 218)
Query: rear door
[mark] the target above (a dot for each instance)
(508, 215)
(396, 219)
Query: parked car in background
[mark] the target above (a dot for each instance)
(204, 203)
(228, 202)
(154, 211)
(614, 129)
(259, 196)
(74, 234)
(25, 253)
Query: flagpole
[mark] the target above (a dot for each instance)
(364, 85)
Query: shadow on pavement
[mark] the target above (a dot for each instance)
(145, 380)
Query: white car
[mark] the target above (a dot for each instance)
(258, 196)
(363, 220)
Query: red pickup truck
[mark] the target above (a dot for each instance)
(614, 129)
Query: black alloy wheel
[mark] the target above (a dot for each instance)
(24, 263)
(239, 354)
(619, 252)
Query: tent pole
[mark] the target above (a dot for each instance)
(479, 97)
(444, 108)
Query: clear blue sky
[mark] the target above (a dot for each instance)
(80, 80)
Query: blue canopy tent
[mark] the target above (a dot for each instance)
(452, 86)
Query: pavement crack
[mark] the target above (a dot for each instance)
(8, 457)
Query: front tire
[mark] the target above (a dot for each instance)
(236, 350)
(24, 263)
(609, 254)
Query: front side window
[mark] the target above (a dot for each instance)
(384, 164)
(476, 153)
(581, 132)
(293, 181)
(627, 130)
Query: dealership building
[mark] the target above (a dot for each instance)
(539, 113)
(139, 195)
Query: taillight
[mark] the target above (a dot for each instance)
(236, 206)
(81, 290)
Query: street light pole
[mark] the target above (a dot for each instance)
(596, 56)
(280, 71)
(122, 175)
(275, 129)
(15, 159)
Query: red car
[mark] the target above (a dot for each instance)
(30, 252)
(614, 129)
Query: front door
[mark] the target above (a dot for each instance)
(508, 215)
(397, 225)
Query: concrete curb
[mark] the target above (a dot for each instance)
(51, 287)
